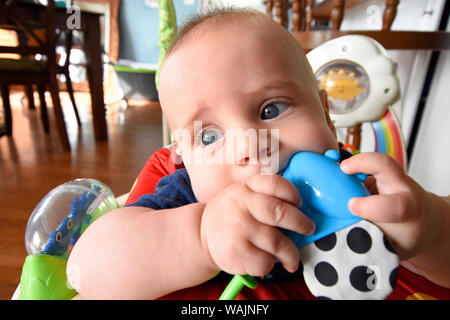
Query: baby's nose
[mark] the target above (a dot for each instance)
(246, 151)
(253, 155)
(242, 146)
(259, 149)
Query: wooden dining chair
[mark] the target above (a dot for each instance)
(27, 70)
(307, 15)
(64, 39)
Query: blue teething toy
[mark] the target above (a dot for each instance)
(325, 190)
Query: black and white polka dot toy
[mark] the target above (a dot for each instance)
(347, 257)
(353, 263)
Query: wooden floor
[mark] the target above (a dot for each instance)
(32, 163)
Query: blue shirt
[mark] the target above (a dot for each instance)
(172, 191)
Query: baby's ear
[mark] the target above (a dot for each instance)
(177, 148)
(176, 153)
(326, 108)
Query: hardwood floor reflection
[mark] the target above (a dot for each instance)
(32, 163)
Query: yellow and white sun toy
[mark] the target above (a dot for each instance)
(362, 85)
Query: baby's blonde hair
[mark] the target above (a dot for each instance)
(211, 19)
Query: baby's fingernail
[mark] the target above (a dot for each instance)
(351, 205)
(344, 166)
(311, 227)
(293, 269)
(299, 203)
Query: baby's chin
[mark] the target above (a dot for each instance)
(205, 193)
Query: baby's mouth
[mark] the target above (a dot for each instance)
(280, 173)
(284, 160)
(283, 163)
(283, 166)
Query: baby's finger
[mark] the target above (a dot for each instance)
(278, 213)
(258, 262)
(383, 167)
(383, 208)
(272, 241)
(276, 186)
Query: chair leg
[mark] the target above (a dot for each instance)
(7, 110)
(30, 96)
(59, 116)
(43, 106)
(72, 96)
(69, 42)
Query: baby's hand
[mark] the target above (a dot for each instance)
(399, 206)
(239, 225)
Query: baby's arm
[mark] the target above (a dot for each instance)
(416, 222)
(434, 263)
(131, 253)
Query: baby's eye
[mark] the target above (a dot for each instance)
(273, 110)
(210, 136)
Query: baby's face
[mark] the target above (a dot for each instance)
(241, 104)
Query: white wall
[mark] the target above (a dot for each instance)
(430, 163)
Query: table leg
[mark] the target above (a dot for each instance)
(93, 52)
(7, 110)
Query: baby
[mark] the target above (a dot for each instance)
(229, 77)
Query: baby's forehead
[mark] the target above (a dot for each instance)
(234, 41)
(242, 24)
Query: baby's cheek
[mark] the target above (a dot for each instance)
(206, 183)
(313, 135)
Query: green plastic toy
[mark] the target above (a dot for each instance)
(236, 284)
(44, 278)
(167, 31)
(53, 228)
